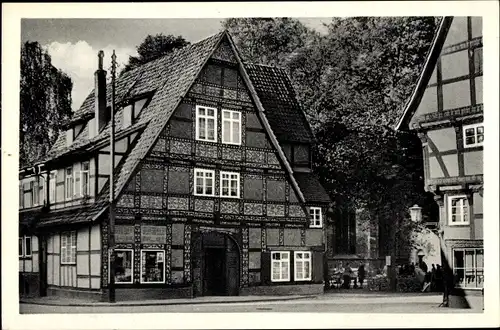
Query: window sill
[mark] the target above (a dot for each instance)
(68, 264)
(201, 140)
(466, 224)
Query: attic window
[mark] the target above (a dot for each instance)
(131, 111)
(69, 137)
(92, 128)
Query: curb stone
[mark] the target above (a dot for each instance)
(160, 303)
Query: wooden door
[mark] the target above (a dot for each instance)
(232, 260)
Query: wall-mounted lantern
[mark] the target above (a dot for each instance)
(416, 213)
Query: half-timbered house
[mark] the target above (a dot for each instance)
(446, 110)
(215, 193)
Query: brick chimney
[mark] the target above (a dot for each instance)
(100, 95)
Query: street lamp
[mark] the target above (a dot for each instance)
(416, 213)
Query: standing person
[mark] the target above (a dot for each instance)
(361, 275)
(439, 278)
(347, 276)
(423, 266)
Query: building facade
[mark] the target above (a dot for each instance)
(215, 193)
(446, 110)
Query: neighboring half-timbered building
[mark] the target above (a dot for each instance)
(446, 109)
(215, 193)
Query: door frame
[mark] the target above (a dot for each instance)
(227, 237)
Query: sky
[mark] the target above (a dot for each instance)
(74, 43)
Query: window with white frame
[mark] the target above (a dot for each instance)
(68, 248)
(302, 261)
(231, 127)
(280, 266)
(124, 270)
(316, 218)
(230, 184)
(468, 266)
(152, 266)
(52, 186)
(206, 124)
(34, 188)
(27, 248)
(69, 183)
(458, 210)
(84, 179)
(473, 135)
(204, 182)
(41, 190)
(21, 195)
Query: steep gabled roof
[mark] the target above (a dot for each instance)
(283, 111)
(171, 77)
(165, 76)
(425, 75)
(312, 189)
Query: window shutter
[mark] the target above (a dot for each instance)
(317, 267)
(265, 268)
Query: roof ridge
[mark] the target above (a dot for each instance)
(267, 65)
(171, 53)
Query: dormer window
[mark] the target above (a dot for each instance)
(69, 137)
(132, 111)
(92, 128)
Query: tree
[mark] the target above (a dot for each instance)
(45, 102)
(353, 82)
(154, 47)
(270, 41)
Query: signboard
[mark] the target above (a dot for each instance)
(153, 234)
(388, 260)
(124, 234)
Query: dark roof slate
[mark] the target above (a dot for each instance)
(283, 111)
(311, 188)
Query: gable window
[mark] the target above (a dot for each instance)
(316, 218)
(468, 267)
(204, 182)
(25, 248)
(302, 266)
(84, 179)
(280, 266)
(206, 124)
(230, 184)
(231, 127)
(152, 266)
(458, 210)
(52, 186)
(473, 135)
(124, 270)
(69, 183)
(68, 248)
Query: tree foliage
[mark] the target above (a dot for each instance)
(45, 102)
(154, 47)
(353, 82)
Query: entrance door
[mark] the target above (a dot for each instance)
(216, 265)
(215, 271)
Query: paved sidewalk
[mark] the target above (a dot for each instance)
(61, 301)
